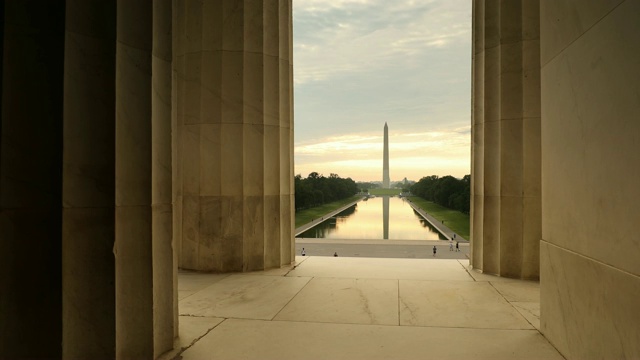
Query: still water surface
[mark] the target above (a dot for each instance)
(378, 218)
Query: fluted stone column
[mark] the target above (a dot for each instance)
(133, 250)
(287, 187)
(506, 225)
(88, 266)
(31, 179)
(165, 293)
(145, 291)
(234, 134)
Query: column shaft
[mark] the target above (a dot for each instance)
(234, 133)
(88, 181)
(477, 132)
(164, 268)
(134, 278)
(506, 143)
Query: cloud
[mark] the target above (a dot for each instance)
(364, 36)
(361, 63)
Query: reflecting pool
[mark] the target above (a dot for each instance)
(378, 218)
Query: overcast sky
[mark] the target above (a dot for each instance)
(361, 63)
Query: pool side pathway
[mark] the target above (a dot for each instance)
(315, 222)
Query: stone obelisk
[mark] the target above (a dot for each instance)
(385, 159)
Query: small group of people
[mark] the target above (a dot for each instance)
(451, 245)
(435, 249)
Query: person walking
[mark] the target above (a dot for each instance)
(457, 247)
(335, 254)
(450, 245)
(434, 251)
(304, 253)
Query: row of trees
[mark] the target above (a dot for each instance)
(446, 191)
(316, 189)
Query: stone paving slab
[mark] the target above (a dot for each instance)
(459, 304)
(345, 301)
(360, 308)
(244, 296)
(253, 339)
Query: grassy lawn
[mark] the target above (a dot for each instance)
(454, 220)
(306, 215)
(385, 191)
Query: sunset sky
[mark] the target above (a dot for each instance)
(361, 63)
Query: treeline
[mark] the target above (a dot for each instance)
(315, 189)
(446, 191)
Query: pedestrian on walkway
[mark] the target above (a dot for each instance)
(434, 251)
(454, 235)
(304, 253)
(457, 247)
(450, 245)
(335, 254)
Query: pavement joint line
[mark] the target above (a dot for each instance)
(293, 297)
(467, 270)
(527, 320)
(514, 308)
(178, 356)
(389, 325)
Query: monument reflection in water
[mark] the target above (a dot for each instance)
(378, 218)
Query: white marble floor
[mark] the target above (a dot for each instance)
(360, 308)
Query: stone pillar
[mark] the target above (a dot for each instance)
(165, 291)
(88, 264)
(287, 187)
(133, 250)
(176, 220)
(234, 134)
(590, 273)
(145, 270)
(31, 179)
(505, 223)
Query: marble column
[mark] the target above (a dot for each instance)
(506, 210)
(234, 135)
(145, 268)
(88, 224)
(31, 179)
(133, 250)
(165, 291)
(287, 186)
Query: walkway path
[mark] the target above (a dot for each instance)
(442, 228)
(315, 222)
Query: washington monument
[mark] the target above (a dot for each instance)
(385, 159)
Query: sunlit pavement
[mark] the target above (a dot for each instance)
(360, 308)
